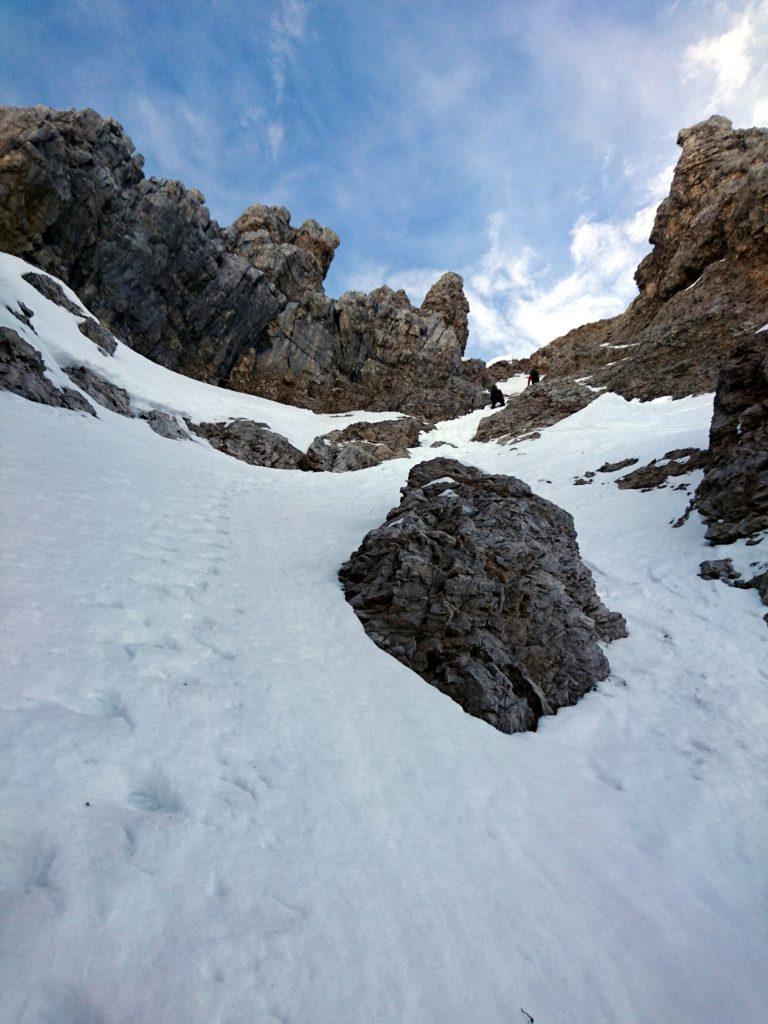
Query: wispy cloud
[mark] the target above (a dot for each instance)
(287, 29)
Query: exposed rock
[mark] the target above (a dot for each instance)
(538, 406)
(362, 445)
(23, 314)
(442, 444)
(704, 284)
(94, 332)
(295, 260)
(22, 371)
(164, 425)
(53, 291)
(733, 496)
(250, 442)
(244, 306)
(447, 300)
(614, 467)
(679, 462)
(718, 569)
(476, 583)
(102, 391)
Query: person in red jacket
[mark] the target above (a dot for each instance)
(533, 377)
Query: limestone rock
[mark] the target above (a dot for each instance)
(476, 583)
(733, 496)
(102, 391)
(242, 307)
(164, 425)
(103, 340)
(362, 445)
(53, 291)
(447, 300)
(704, 284)
(680, 462)
(22, 371)
(538, 406)
(250, 442)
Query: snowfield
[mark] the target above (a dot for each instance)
(225, 805)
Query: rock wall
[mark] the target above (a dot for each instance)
(704, 284)
(243, 306)
(477, 584)
(733, 496)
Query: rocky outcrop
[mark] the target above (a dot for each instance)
(362, 445)
(679, 462)
(704, 284)
(250, 442)
(22, 371)
(102, 391)
(538, 406)
(164, 424)
(476, 583)
(243, 306)
(52, 291)
(733, 496)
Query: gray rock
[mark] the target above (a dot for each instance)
(680, 462)
(250, 442)
(476, 583)
(164, 425)
(718, 569)
(538, 406)
(614, 467)
(53, 291)
(447, 300)
(22, 371)
(94, 332)
(102, 391)
(23, 314)
(362, 445)
(733, 496)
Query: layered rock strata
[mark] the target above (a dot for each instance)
(476, 583)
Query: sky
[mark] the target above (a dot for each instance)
(524, 145)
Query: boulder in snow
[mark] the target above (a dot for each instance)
(477, 584)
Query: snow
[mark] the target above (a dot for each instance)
(224, 804)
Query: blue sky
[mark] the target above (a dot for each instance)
(524, 145)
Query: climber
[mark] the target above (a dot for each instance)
(533, 377)
(497, 399)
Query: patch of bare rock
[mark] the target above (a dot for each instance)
(733, 496)
(22, 371)
(250, 442)
(537, 407)
(362, 445)
(680, 462)
(477, 584)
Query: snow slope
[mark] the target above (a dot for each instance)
(225, 805)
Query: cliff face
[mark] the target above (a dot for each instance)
(704, 284)
(242, 306)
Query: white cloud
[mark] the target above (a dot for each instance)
(515, 308)
(725, 60)
(287, 29)
(275, 137)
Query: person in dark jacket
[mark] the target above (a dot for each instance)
(497, 399)
(533, 377)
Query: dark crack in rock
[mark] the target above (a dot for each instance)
(477, 584)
